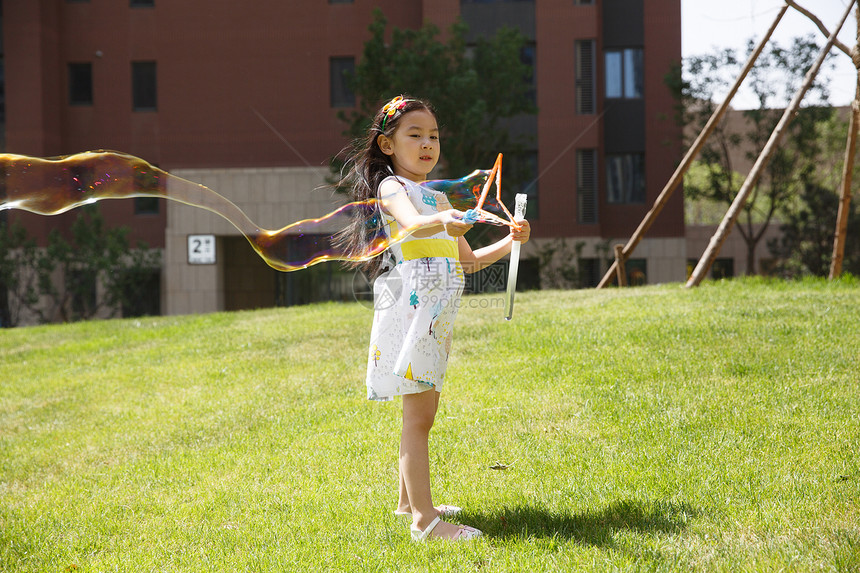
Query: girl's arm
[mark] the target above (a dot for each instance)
(397, 204)
(473, 261)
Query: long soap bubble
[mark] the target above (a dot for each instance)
(471, 194)
(54, 186)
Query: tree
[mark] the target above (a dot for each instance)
(19, 272)
(474, 89)
(74, 280)
(97, 259)
(774, 80)
(806, 244)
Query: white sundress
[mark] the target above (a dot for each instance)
(415, 303)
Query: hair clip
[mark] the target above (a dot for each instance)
(391, 108)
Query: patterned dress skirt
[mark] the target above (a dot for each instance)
(415, 304)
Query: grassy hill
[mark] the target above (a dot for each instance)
(653, 428)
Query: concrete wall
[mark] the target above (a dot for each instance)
(665, 258)
(734, 247)
(271, 197)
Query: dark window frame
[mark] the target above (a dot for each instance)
(588, 271)
(528, 56)
(144, 97)
(340, 93)
(587, 212)
(637, 271)
(147, 206)
(80, 76)
(586, 84)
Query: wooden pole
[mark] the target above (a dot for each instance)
(621, 272)
(819, 23)
(734, 210)
(847, 171)
(684, 166)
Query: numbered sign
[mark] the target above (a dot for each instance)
(201, 249)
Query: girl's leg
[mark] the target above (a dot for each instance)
(419, 412)
(403, 501)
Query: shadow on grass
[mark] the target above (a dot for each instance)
(590, 527)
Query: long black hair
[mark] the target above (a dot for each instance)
(366, 167)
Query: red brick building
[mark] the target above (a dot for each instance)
(243, 97)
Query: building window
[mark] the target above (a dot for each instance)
(529, 58)
(2, 99)
(586, 186)
(585, 95)
(340, 1)
(723, 268)
(589, 272)
(141, 3)
(625, 178)
(146, 205)
(341, 71)
(143, 86)
(637, 271)
(624, 73)
(81, 84)
(583, 2)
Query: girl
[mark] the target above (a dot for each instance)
(417, 289)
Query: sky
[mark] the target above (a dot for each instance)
(710, 24)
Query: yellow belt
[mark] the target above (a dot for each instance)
(421, 248)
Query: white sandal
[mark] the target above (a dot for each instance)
(444, 511)
(465, 533)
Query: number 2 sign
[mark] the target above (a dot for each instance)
(201, 249)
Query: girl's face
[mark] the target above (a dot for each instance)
(414, 147)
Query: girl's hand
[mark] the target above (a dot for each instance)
(521, 234)
(454, 224)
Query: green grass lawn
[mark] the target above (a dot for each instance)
(656, 428)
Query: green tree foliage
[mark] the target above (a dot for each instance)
(19, 272)
(94, 272)
(809, 221)
(473, 88)
(806, 244)
(778, 73)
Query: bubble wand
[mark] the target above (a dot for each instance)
(480, 215)
(519, 213)
(513, 221)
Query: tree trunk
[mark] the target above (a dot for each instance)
(751, 245)
(847, 170)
